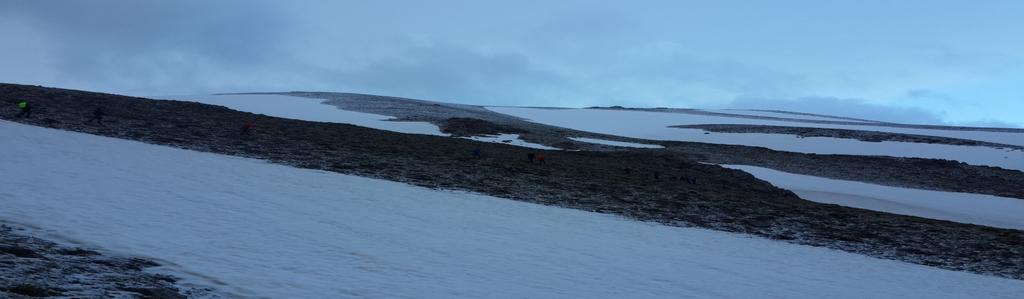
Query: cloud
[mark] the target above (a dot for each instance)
(575, 56)
(569, 53)
(927, 94)
(137, 47)
(452, 73)
(931, 96)
(641, 75)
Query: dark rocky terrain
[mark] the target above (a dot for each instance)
(32, 267)
(930, 174)
(869, 136)
(464, 126)
(661, 186)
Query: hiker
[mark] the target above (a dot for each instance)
(529, 157)
(26, 110)
(540, 158)
(97, 116)
(247, 128)
(476, 152)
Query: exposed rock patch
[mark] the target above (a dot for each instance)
(464, 126)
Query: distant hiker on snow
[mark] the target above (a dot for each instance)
(529, 157)
(247, 128)
(97, 116)
(26, 109)
(540, 158)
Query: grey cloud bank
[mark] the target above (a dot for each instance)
(914, 61)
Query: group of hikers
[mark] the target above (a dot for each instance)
(539, 157)
(25, 111)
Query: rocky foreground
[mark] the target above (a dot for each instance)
(650, 185)
(33, 267)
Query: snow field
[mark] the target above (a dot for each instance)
(273, 231)
(780, 114)
(615, 143)
(655, 126)
(512, 139)
(314, 110)
(310, 109)
(972, 208)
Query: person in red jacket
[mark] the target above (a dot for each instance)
(540, 158)
(247, 128)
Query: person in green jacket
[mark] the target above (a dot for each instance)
(26, 109)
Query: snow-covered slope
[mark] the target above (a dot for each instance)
(309, 109)
(647, 119)
(616, 143)
(511, 139)
(655, 125)
(273, 231)
(960, 207)
(766, 113)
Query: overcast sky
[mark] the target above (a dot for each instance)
(958, 62)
